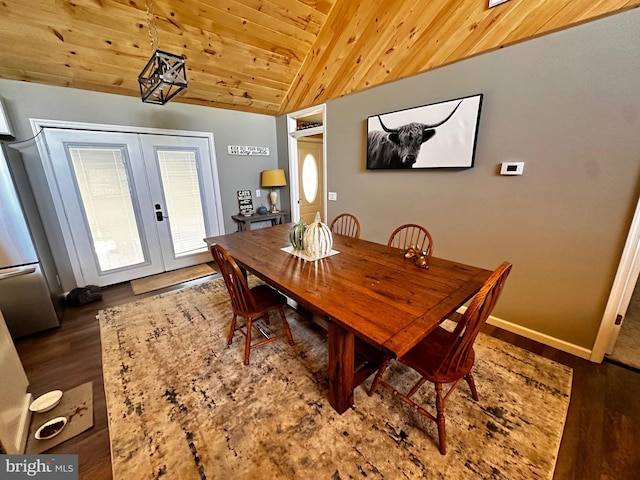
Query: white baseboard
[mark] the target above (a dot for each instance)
(540, 337)
(537, 336)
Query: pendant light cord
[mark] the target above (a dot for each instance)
(151, 23)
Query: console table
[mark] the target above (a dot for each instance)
(243, 222)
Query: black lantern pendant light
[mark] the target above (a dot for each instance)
(165, 74)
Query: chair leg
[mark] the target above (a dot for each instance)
(247, 343)
(416, 387)
(286, 326)
(232, 330)
(442, 435)
(378, 377)
(472, 386)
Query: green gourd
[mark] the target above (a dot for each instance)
(318, 239)
(296, 235)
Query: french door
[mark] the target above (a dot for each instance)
(134, 204)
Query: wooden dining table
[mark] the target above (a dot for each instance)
(369, 295)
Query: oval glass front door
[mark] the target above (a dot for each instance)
(310, 178)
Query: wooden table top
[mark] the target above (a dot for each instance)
(367, 288)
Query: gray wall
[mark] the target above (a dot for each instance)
(567, 104)
(25, 100)
(284, 197)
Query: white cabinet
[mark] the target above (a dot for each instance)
(14, 399)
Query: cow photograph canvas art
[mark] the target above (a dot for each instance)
(439, 135)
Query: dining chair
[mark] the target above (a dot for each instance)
(252, 304)
(445, 357)
(346, 224)
(412, 235)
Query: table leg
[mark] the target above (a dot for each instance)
(341, 367)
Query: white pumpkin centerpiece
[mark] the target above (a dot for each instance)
(318, 239)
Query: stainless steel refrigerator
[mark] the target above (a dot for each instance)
(25, 299)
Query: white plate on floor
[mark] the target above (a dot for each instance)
(51, 428)
(46, 402)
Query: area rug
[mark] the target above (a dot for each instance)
(181, 405)
(77, 405)
(167, 279)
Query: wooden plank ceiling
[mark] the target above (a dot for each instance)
(267, 56)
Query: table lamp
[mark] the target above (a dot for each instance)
(272, 179)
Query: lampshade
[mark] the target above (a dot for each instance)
(273, 178)
(162, 78)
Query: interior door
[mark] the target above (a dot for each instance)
(310, 178)
(135, 204)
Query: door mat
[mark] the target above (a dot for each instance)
(77, 406)
(167, 279)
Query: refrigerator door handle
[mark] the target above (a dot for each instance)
(16, 272)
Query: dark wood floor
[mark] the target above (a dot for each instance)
(601, 437)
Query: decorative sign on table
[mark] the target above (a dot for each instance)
(245, 202)
(247, 150)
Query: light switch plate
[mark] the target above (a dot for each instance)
(333, 196)
(512, 168)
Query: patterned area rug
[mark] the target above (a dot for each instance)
(182, 406)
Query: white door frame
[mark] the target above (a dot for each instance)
(293, 135)
(621, 291)
(37, 125)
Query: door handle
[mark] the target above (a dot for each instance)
(159, 216)
(16, 272)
